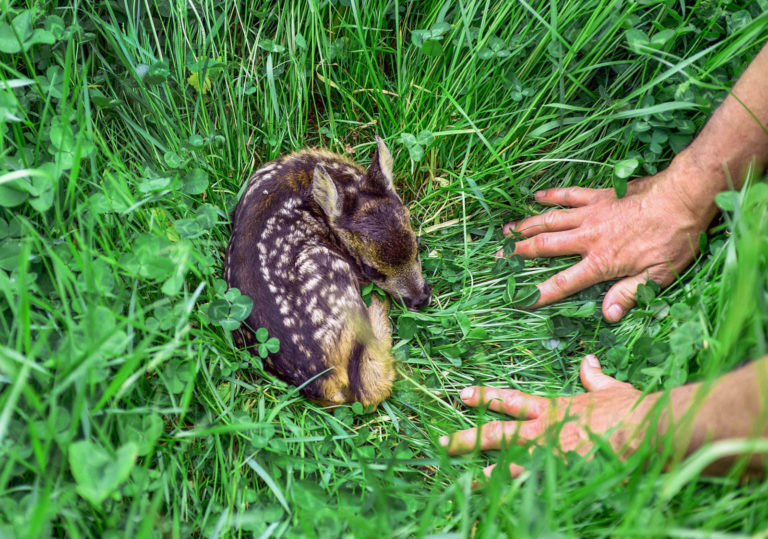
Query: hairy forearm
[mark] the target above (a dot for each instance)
(735, 137)
(732, 406)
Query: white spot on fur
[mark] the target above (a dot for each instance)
(339, 265)
(310, 284)
(309, 267)
(320, 334)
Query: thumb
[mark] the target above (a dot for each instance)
(621, 297)
(592, 376)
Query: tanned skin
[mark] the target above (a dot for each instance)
(650, 233)
(733, 406)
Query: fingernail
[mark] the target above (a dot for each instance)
(467, 393)
(500, 253)
(615, 312)
(593, 362)
(539, 194)
(443, 441)
(510, 227)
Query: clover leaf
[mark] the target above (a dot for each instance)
(416, 145)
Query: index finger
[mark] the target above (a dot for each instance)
(492, 435)
(567, 282)
(568, 196)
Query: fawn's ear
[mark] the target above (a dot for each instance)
(378, 179)
(325, 193)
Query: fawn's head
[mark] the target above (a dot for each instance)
(374, 225)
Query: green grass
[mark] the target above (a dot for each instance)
(126, 408)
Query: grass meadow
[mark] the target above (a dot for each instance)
(127, 128)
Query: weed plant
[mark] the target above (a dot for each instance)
(126, 131)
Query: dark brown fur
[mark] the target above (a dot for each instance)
(310, 229)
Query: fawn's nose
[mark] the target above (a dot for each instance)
(420, 301)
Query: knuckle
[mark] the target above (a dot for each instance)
(541, 242)
(538, 407)
(524, 248)
(601, 380)
(550, 219)
(627, 293)
(530, 430)
(598, 264)
(561, 281)
(589, 231)
(570, 195)
(466, 438)
(661, 274)
(511, 397)
(572, 437)
(606, 194)
(493, 432)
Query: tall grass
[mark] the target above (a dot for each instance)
(126, 407)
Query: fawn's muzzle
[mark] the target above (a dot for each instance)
(420, 301)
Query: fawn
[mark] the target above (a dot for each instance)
(310, 229)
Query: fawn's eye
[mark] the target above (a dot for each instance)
(372, 273)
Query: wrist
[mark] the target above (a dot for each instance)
(683, 419)
(663, 412)
(695, 180)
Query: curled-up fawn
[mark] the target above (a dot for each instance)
(309, 230)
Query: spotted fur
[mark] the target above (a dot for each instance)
(309, 230)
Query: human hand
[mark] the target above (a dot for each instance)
(650, 233)
(608, 404)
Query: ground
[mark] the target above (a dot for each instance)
(126, 132)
